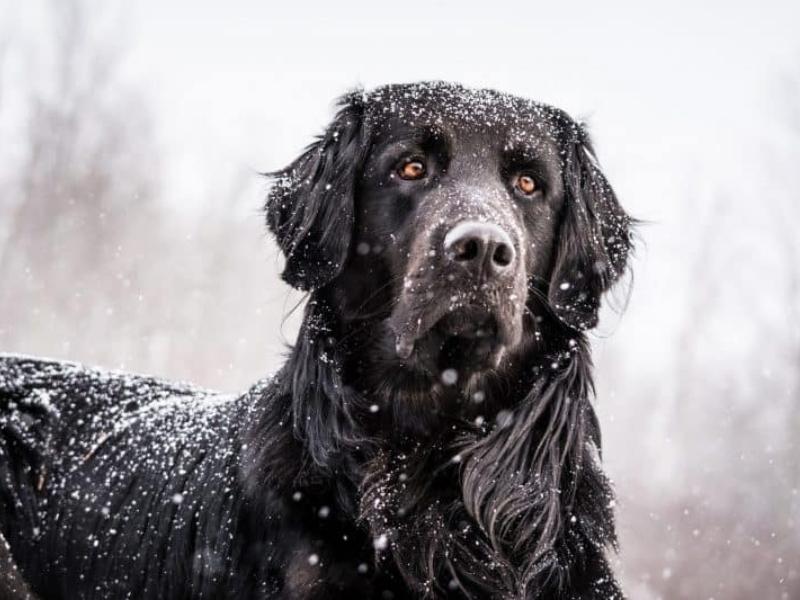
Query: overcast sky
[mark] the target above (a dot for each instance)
(679, 96)
(245, 84)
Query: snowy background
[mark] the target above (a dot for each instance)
(131, 138)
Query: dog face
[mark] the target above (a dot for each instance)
(460, 206)
(457, 220)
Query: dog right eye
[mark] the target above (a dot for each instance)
(412, 170)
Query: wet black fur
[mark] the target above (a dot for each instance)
(300, 488)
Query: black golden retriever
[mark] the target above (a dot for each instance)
(431, 432)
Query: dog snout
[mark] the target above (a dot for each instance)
(483, 248)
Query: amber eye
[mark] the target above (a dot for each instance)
(526, 184)
(411, 170)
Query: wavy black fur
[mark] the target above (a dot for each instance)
(338, 477)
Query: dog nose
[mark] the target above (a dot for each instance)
(480, 247)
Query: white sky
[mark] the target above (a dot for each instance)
(675, 93)
(246, 84)
(678, 95)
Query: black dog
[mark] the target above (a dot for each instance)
(431, 432)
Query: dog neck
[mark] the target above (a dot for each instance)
(498, 491)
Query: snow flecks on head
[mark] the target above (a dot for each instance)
(504, 419)
(434, 103)
(449, 376)
(380, 542)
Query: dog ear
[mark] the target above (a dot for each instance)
(310, 208)
(594, 237)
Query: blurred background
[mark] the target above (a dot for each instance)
(131, 140)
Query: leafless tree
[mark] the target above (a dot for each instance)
(728, 527)
(86, 186)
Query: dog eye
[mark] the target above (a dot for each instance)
(526, 184)
(412, 169)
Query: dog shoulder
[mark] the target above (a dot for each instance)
(25, 404)
(45, 402)
(68, 388)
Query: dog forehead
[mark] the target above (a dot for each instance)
(450, 107)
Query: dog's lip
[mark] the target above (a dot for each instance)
(470, 321)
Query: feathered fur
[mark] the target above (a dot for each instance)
(348, 474)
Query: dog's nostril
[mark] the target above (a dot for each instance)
(466, 250)
(503, 255)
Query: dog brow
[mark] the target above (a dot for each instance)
(421, 134)
(529, 149)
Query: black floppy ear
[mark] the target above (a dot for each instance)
(310, 208)
(594, 236)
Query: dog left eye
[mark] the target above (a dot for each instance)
(412, 170)
(526, 184)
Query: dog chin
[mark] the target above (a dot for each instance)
(459, 344)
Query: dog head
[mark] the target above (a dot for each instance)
(458, 220)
